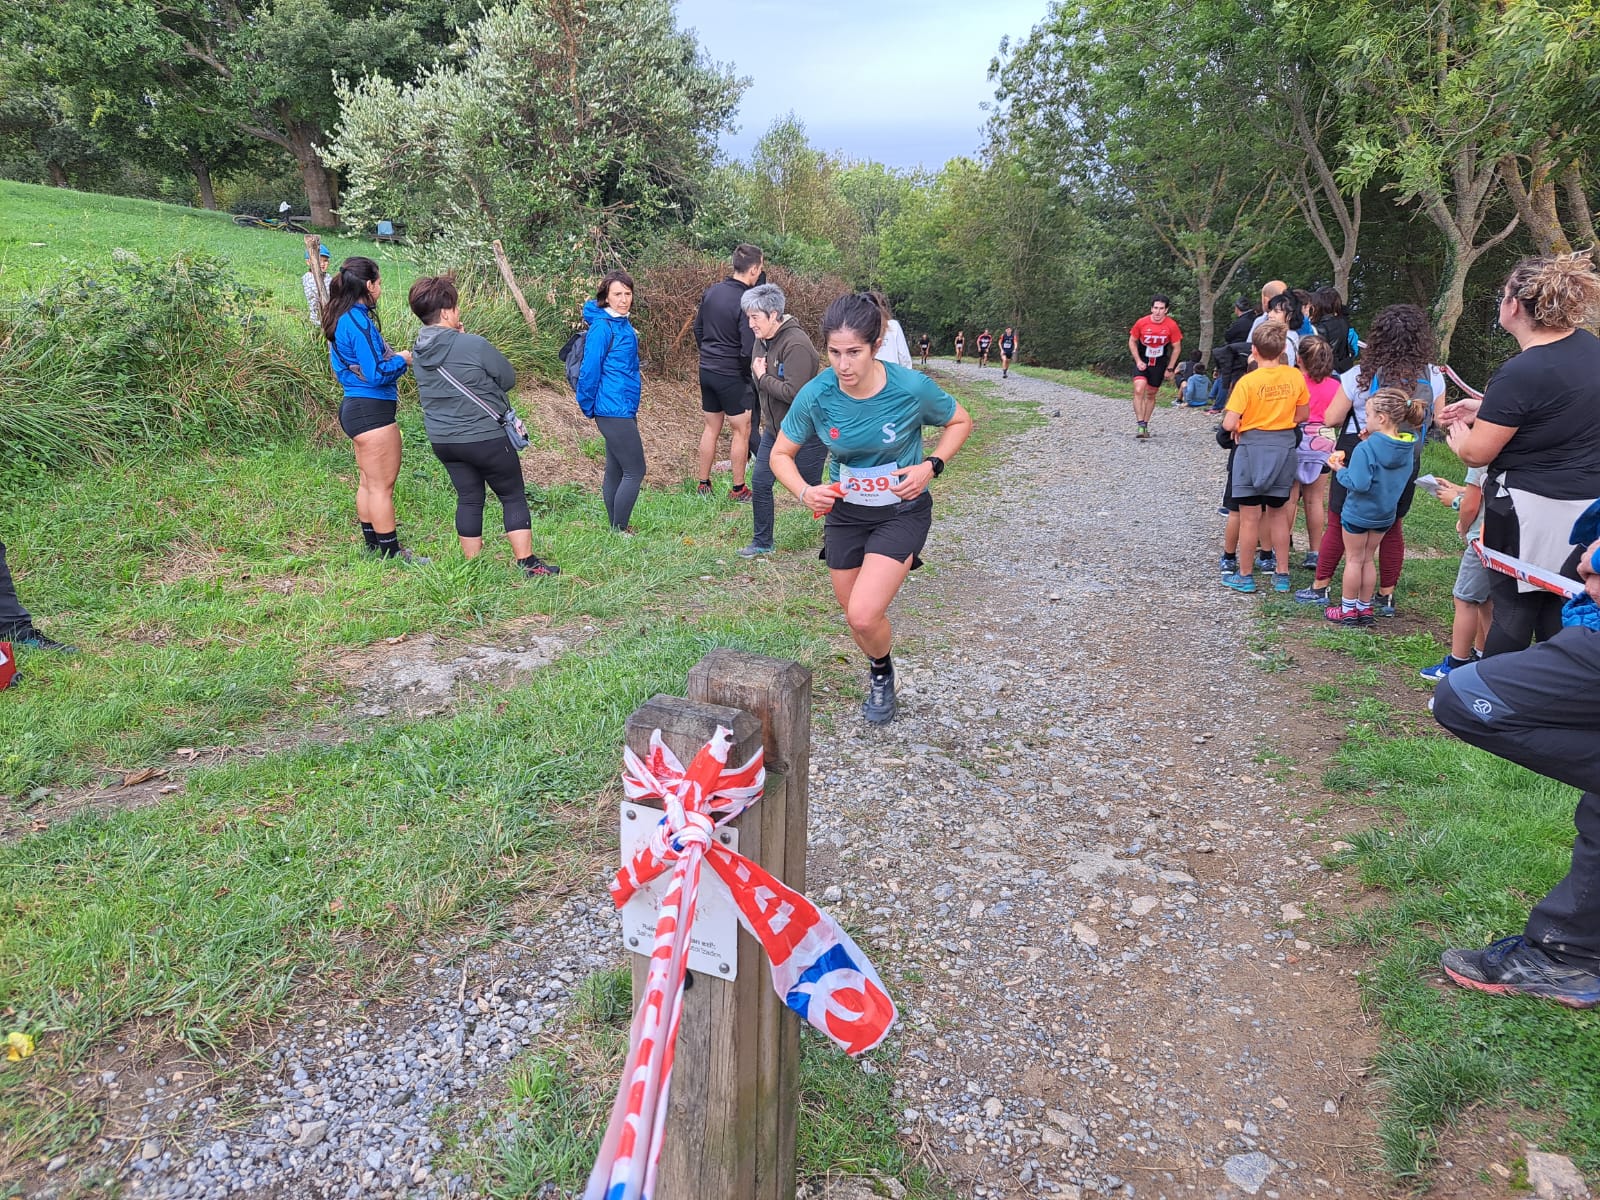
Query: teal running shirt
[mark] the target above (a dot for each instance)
(881, 430)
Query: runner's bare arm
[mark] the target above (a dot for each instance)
(817, 499)
(914, 480)
(1133, 349)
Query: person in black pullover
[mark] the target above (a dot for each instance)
(726, 342)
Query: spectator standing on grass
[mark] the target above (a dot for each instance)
(1232, 358)
(784, 361)
(609, 388)
(1471, 591)
(1540, 708)
(726, 345)
(314, 281)
(16, 625)
(369, 371)
(1333, 325)
(1399, 354)
(895, 349)
(463, 385)
(1537, 430)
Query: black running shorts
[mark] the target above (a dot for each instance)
(897, 531)
(362, 414)
(730, 395)
(1154, 373)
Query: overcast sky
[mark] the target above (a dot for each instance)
(882, 79)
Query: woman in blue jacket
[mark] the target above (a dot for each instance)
(608, 392)
(369, 372)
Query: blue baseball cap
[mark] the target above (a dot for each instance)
(322, 252)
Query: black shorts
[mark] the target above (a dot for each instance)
(1007, 351)
(1153, 373)
(897, 531)
(362, 414)
(1358, 529)
(1238, 502)
(730, 395)
(982, 349)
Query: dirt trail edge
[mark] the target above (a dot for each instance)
(1069, 854)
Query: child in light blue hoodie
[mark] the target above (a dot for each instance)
(1377, 473)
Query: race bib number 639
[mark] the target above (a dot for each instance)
(869, 486)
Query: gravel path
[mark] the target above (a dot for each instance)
(1065, 856)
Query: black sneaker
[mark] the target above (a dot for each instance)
(703, 488)
(33, 639)
(533, 565)
(878, 707)
(1514, 967)
(740, 494)
(1383, 603)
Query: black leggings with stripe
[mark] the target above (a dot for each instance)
(472, 465)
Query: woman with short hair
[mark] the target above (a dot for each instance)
(369, 371)
(1537, 430)
(870, 415)
(463, 383)
(609, 388)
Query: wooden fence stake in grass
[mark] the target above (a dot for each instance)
(736, 1075)
(314, 253)
(511, 282)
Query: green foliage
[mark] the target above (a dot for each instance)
(145, 352)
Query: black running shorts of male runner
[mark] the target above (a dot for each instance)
(730, 395)
(897, 531)
(362, 414)
(1153, 373)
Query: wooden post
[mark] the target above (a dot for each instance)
(736, 1077)
(314, 249)
(511, 282)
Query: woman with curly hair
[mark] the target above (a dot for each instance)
(1537, 429)
(1399, 354)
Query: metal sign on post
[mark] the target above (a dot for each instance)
(714, 938)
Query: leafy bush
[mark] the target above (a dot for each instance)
(169, 353)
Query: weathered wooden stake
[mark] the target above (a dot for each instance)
(314, 249)
(504, 264)
(736, 1076)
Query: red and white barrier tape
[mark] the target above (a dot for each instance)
(1538, 577)
(1462, 384)
(816, 968)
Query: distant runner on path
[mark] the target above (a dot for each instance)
(985, 340)
(1008, 350)
(1154, 343)
(926, 344)
(961, 347)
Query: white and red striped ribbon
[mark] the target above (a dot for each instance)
(817, 969)
(1462, 384)
(1550, 581)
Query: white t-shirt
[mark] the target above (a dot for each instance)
(895, 348)
(1291, 342)
(1350, 382)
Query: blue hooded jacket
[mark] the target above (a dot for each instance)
(608, 381)
(362, 361)
(1378, 472)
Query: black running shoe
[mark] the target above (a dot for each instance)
(533, 565)
(1514, 967)
(33, 639)
(878, 707)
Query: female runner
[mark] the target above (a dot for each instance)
(870, 415)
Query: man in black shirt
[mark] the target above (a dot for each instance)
(726, 341)
(1233, 356)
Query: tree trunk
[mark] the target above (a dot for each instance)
(58, 175)
(1208, 316)
(1452, 301)
(202, 178)
(322, 185)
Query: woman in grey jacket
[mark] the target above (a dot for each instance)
(462, 382)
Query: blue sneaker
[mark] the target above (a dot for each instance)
(1266, 560)
(1229, 564)
(1312, 595)
(1310, 563)
(1239, 583)
(1280, 583)
(1513, 966)
(1438, 671)
(1383, 604)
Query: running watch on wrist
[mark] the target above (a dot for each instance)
(938, 465)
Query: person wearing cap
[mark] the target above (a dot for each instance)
(311, 284)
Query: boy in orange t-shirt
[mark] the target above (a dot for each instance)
(1263, 412)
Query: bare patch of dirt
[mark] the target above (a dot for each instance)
(423, 675)
(566, 446)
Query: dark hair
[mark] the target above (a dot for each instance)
(1316, 358)
(1330, 303)
(1400, 345)
(1288, 304)
(1269, 340)
(1244, 303)
(746, 256)
(882, 302)
(1398, 406)
(1158, 298)
(1307, 300)
(859, 313)
(1559, 291)
(431, 295)
(347, 287)
(603, 292)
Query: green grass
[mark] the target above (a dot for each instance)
(1094, 383)
(1466, 844)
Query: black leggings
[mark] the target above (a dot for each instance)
(471, 465)
(624, 467)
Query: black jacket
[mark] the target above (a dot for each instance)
(721, 331)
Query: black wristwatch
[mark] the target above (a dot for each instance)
(938, 465)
